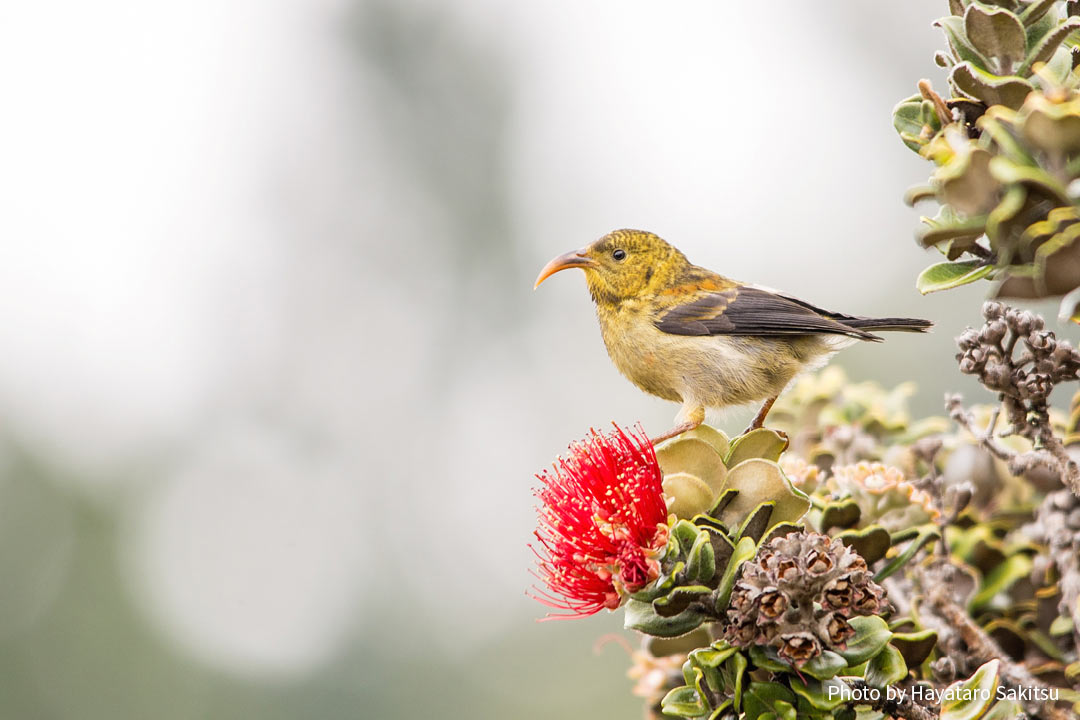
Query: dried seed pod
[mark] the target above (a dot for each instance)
(799, 647)
(797, 594)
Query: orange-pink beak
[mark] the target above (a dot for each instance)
(574, 259)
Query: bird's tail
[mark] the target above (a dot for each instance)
(888, 324)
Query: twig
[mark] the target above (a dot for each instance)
(1070, 471)
(897, 707)
(1056, 526)
(1052, 455)
(969, 646)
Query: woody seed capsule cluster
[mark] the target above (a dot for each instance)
(797, 594)
(1016, 356)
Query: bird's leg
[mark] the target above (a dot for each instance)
(688, 418)
(759, 419)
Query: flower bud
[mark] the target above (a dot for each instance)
(968, 339)
(994, 331)
(1042, 341)
(993, 310)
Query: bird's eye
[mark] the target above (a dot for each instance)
(619, 254)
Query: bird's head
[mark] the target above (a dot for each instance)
(621, 265)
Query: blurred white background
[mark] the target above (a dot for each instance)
(274, 381)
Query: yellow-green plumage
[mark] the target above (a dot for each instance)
(688, 335)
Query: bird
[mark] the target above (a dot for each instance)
(689, 335)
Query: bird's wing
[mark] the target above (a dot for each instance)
(746, 310)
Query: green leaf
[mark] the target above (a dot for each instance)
(743, 552)
(870, 542)
(1037, 29)
(718, 440)
(996, 32)
(1057, 69)
(721, 712)
(997, 220)
(781, 530)
(757, 522)
(785, 710)
(760, 443)
(725, 498)
(1049, 44)
(1062, 625)
(1008, 172)
(760, 698)
(690, 495)
(737, 666)
(694, 677)
(840, 514)
(693, 456)
(970, 698)
(962, 49)
(759, 481)
(765, 657)
(871, 635)
(1000, 579)
(1035, 10)
(722, 545)
(947, 275)
(642, 617)
(1070, 307)
(946, 226)
(679, 599)
(1004, 710)
(683, 702)
(919, 193)
(685, 533)
(711, 657)
(915, 646)
(975, 82)
(908, 121)
(1042, 641)
(886, 668)
(701, 562)
(825, 665)
(926, 534)
(821, 694)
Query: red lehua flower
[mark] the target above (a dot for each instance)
(602, 523)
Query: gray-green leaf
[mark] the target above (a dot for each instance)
(947, 275)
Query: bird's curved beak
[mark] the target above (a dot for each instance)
(573, 259)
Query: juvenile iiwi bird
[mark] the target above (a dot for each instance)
(686, 334)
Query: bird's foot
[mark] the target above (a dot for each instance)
(759, 419)
(690, 416)
(677, 430)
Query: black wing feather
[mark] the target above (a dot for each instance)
(752, 311)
